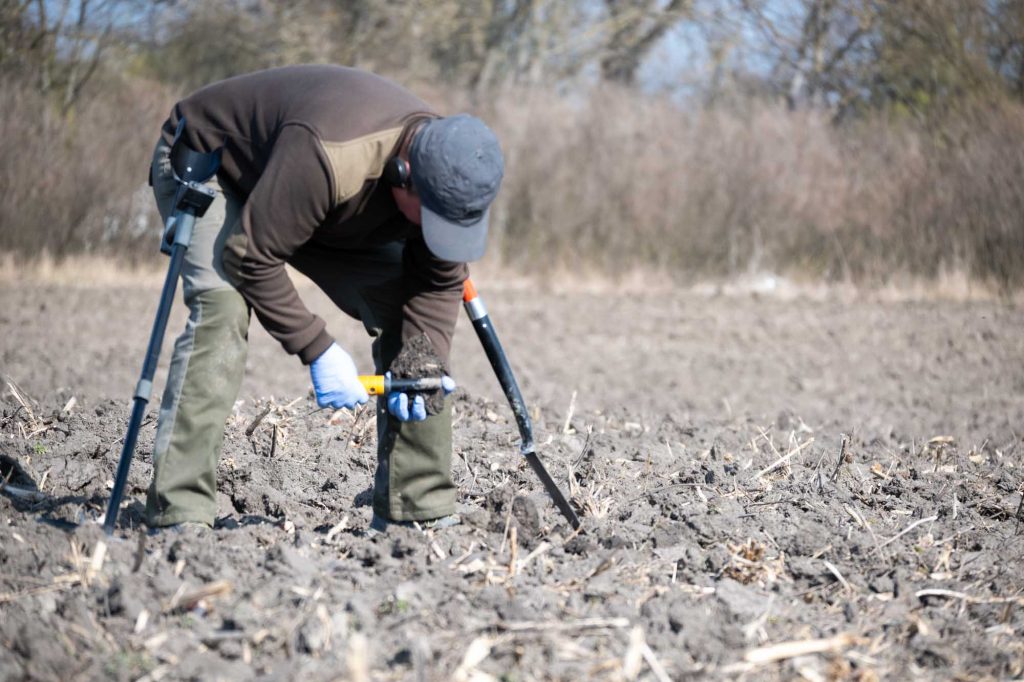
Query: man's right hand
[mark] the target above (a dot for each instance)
(336, 381)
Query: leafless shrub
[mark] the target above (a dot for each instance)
(621, 181)
(608, 182)
(77, 183)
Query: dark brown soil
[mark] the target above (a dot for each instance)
(419, 360)
(701, 439)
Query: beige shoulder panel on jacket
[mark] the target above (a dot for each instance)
(353, 162)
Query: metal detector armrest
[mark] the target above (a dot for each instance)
(191, 170)
(190, 165)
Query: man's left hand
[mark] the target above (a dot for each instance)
(414, 410)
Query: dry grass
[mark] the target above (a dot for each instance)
(90, 271)
(80, 270)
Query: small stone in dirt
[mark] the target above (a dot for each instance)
(283, 559)
(580, 546)
(313, 635)
(882, 584)
(175, 550)
(478, 518)
(230, 649)
(527, 517)
(716, 559)
(403, 657)
(46, 603)
(742, 603)
(602, 587)
(616, 541)
(805, 568)
(417, 360)
(118, 601)
(677, 615)
(206, 665)
(402, 548)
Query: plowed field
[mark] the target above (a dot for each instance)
(770, 489)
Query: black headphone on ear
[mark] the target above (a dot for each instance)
(396, 172)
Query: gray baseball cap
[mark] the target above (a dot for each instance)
(457, 166)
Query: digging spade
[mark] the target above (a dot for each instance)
(499, 362)
(191, 170)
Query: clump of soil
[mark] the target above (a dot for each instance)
(419, 360)
(508, 507)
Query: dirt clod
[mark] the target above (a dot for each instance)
(418, 360)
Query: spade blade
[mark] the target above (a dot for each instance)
(553, 491)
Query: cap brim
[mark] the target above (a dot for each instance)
(453, 241)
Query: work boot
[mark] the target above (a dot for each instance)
(190, 528)
(380, 525)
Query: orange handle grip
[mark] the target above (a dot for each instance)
(468, 291)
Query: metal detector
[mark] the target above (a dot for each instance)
(191, 169)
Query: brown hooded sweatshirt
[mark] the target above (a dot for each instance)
(304, 147)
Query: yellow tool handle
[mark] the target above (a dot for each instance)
(375, 384)
(378, 384)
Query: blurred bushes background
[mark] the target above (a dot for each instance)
(853, 140)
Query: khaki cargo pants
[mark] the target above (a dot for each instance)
(413, 477)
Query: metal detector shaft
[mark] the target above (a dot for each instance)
(144, 389)
(499, 362)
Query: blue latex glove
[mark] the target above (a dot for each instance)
(336, 381)
(398, 403)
